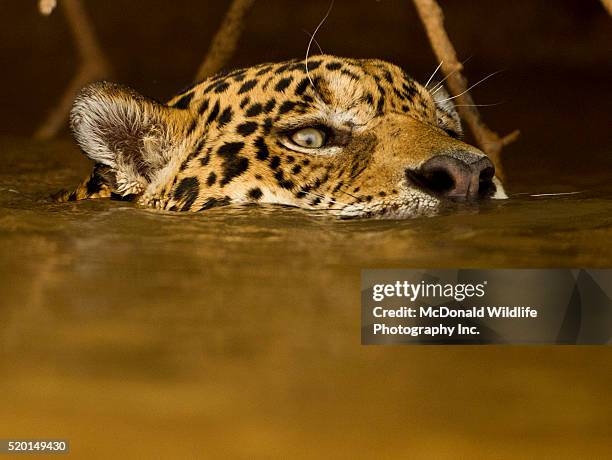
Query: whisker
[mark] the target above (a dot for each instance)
(558, 193)
(548, 194)
(471, 87)
(315, 40)
(347, 193)
(438, 87)
(433, 74)
(478, 105)
(331, 5)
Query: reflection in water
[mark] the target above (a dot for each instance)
(237, 330)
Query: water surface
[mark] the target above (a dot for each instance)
(236, 331)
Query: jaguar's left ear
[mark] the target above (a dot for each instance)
(132, 135)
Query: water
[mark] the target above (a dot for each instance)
(237, 330)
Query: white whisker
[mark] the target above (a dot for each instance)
(436, 88)
(558, 194)
(470, 88)
(331, 5)
(315, 41)
(433, 74)
(477, 105)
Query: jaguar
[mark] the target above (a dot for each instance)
(358, 138)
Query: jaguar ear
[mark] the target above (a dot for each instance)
(133, 135)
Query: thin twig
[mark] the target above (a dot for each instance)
(93, 66)
(225, 40)
(607, 5)
(433, 19)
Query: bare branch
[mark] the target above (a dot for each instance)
(225, 40)
(433, 19)
(93, 66)
(46, 7)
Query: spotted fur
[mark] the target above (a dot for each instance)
(227, 139)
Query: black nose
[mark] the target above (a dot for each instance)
(459, 175)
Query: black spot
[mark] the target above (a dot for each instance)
(263, 70)
(312, 65)
(275, 162)
(183, 102)
(290, 159)
(315, 202)
(212, 178)
(245, 129)
(239, 76)
(187, 190)
(399, 94)
(356, 189)
(333, 66)
(381, 104)
(205, 159)
(405, 108)
(350, 74)
(388, 76)
(269, 106)
(230, 148)
(369, 99)
(267, 82)
(305, 162)
(296, 169)
(262, 149)
(215, 202)
(338, 186)
(297, 66)
(191, 128)
(287, 106)
(233, 164)
(302, 86)
(258, 176)
(222, 86)
(203, 106)
(193, 154)
(320, 181)
(369, 198)
(410, 90)
(226, 117)
(254, 110)
(247, 85)
(267, 125)
(284, 183)
(282, 68)
(244, 102)
(255, 193)
(213, 113)
(283, 84)
(382, 194)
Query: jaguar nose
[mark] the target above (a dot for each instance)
(460, 175)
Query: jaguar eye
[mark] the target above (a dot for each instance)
(311, 138)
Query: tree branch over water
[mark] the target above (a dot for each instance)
(489, 141)
(93, 63)
(226, 39)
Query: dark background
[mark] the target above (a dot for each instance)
(556, 59)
